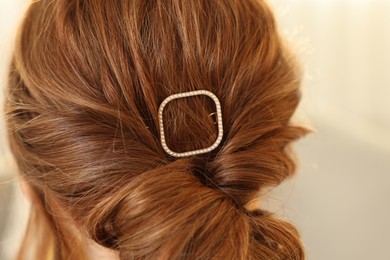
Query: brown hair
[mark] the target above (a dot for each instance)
(85, 83)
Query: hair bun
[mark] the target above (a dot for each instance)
(167, 213)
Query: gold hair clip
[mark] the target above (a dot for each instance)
(189, 94)
(213, 113)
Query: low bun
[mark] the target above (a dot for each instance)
(167, 213)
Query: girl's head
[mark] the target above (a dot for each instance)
(85, 83)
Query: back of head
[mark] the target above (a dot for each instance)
(85, 84)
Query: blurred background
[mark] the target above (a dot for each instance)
(339, 199)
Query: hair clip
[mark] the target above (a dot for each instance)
(190, 94)
(213, 113)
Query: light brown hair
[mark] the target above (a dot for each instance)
(85, 83)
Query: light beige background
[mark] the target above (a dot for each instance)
(340, 198)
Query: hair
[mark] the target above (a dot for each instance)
(85, 82)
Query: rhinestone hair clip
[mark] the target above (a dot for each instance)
(183, 95)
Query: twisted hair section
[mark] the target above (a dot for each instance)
(85, 83)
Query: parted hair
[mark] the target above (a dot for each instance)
(84, 86)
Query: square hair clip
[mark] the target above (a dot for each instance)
(183, 95)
